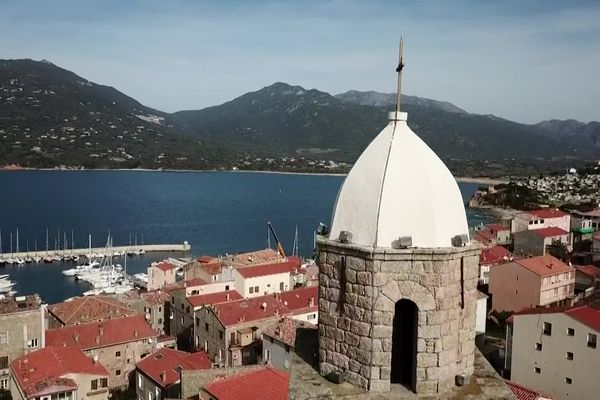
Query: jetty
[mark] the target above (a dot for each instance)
(182, 247)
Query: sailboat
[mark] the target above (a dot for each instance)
(130, 252)
(74, 257)
(86, 267)
(11, 259)
(141, 251)
(47, 258)
(18, 260)
(28, 259)
(36, 257)
(2, 260)
(295, 246)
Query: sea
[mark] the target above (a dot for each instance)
(215, 212)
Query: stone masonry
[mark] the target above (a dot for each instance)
(358, 289)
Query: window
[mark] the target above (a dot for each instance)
(268, 355)
(159, 309)
(95, 384)
(172, 300)
(139, 380)
(568, 381)
(591, 340)
(182, 321)
(187, 309)
(226, 287)
(569, 355)
(160, 320)
(570, 332)
(32, 343)
(3, 337)
(118, 372)
(195, 292)
(117, 354)
(251, 289)
(287, 348)
(220, 334)
(3, 383)
(537, 370)
(3, 362)
(312, 316)
(206, 326)
(547, 328)
(255, 289)
(538, 346)
(281, 286)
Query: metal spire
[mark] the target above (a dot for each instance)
(399, 71)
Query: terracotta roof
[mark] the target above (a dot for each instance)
(286, 303)
(584, 314)
(494, 255)
(544, 265)
(205, 259)
(10, 305)
(163, 365)
(156, 297)
(522, 393)
(549, 232)
(484, 234)
(44, 370)
(263, 384)
(194, 282)
(497, 227)
(89, 308)
(101, 334)
(546, 213)
(213, 298)
(211, 268)
(270, 269)
(590, 270)
(165, 266)
(285, 330)
(255, 257)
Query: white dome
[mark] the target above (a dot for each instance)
(399, 187)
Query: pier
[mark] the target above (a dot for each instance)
(148, 248)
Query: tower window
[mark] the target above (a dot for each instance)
(570, 332)
(547, 328)
(568, 381)
(537, 370)
(538, 346)
(569, 355)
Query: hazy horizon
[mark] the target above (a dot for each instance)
(526, 61)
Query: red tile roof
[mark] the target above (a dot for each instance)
(544, 265)
(44, 370)
(286, 303)
(522, 393)
(263, 384)
(484, 236)
(166, 361)
(549, 232)
(497, 227)
(546, 213)
(584, 314)
(214, 298)
(212, 268)
(156, 297)
(89, 308)
(205, 259)
(270, 269)
(285, 330)
(494, 255)
(195, 282)
(101, 334)
(10, 305)
(590, 270)
(165, 266)
(255, 257)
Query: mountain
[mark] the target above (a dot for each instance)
(50, 116)
(291, 119)
(377, 99)
(558, 127)
(570, 130)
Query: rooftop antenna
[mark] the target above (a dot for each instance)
(399, 71)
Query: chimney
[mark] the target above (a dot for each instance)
(264, 306)
(163, 376)
(311, 301)
(227, 296)
(97, 339)
(101, 329)
(76, 337)
(135, 333)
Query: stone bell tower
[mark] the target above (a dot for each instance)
(398, 276)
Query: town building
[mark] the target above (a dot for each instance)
(481, 313)
(82, 310)
(158, 375)
(279, 340)
(492, 235)
(118, 344)
(153, 306)
(555, 351)
(58, 373)
(22, 330)
(161, 274)
(592, 216)
(587, 278)
(531, 282)
(398, 275)
(264, 383)
(230, 331)
(523, 393)
(541, 218)
(263, 279)
(536, 242)
(488, 257)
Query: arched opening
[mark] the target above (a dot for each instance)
(404, 344)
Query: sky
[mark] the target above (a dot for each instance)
(522, 60)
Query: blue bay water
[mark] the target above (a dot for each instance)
(216, 212)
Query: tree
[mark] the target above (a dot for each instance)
(5, 394)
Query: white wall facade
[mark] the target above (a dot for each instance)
(262, 285)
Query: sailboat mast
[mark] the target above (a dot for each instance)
(46, 241)
(17, 240)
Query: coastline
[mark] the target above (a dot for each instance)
(462, 179)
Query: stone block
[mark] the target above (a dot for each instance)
(355, 366)
(421, 345)
(426, 388)
(382, 303)
(350, 276)
(382, 318)
(421, 374)
(379, 386)
(362, 356)
(355, 264)
(383, 359)
(352, 339)
(385, 373)
(371, 373)
(380, 279)
(343, 323)
(425, 360)
(360, 328)
(377, 345)
(363, 278)
(366, 343)
(429, 332)
(387, 344)
(382, 331)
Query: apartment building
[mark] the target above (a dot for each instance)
(531, 282)
(279, 340)
(556, 351)
(82, 310)
(535, 242)
(260, 280)
(160, 275)
(263, 383)
(541, 218)
(488, 257)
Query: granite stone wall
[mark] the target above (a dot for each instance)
(359, 287)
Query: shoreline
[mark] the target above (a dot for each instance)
(462, 179)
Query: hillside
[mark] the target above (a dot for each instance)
(388, 100)
(50, 116)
